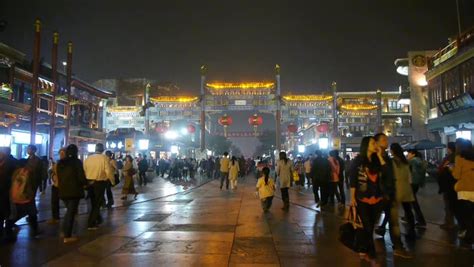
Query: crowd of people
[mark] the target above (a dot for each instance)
(382, 179)
(71, 180)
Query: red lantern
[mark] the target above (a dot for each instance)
(255, 121)
(322, 128)
(225, 121)
(191, 128)
(292, 128)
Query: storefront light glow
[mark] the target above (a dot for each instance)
(120, 145)
(209, 153)
(143, 144)
(301, 148)
(171, 135)
(174, 149)
(5, 140)
(90, 148)
(24, 138)
(464, 134)
(184, 131)
(113, 145)
(323, 143)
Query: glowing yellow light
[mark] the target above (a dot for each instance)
(246, 85)
(307, 97)
(358, 107)
(180, 99)
(122, 109)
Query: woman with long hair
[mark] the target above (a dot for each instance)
(129, 171)
(366, 190)
(265, 189)
(71, 181)
(403, 190)
(284, 171)
(234, 170)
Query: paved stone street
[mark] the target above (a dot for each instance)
(204, 226)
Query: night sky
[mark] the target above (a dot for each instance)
(315, 42)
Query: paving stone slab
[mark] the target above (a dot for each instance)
(181, 246)
(194, 227)
(254, 250)
(153, 217)
(165, 259)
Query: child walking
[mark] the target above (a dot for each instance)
(265, 189)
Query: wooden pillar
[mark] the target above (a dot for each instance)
(54, 76)
(69, 88)
(36, 67)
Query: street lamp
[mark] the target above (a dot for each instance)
(323, 143)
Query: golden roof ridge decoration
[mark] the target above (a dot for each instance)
(179, 99)
(356, 107)
(241, 85)
(307, 98)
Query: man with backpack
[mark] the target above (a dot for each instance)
(22, 195)
(7, 167)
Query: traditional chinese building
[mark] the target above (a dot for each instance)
(451, 89)
(82, 107)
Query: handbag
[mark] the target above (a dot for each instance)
(296, 176)
(352, 234)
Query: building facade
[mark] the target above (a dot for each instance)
(451, 90)
(83, 110)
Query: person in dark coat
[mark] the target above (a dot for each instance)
(7, 167)
(321, 176)
(72, 181)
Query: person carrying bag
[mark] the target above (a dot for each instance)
(351, 233)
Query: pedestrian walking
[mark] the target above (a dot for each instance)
(142, 169)
(366, 191)
(22, 195)
(390, 205)
(108, 185)
(224, 170)
(307, 170)
(35, 166)
(321, 176)
(284, 172)
(299, 168)
(71, 182)
(8, 164)
(234, 170)
(418, 174)
(266, 189)
(98, 173)
(463, 172)
(55, 189)
(128, 186)
(335, 171)
(340, 183)
(446, 184)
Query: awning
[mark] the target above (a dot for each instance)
(453, 119)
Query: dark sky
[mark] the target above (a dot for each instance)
(315, 42)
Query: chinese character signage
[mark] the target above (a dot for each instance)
(455, 104)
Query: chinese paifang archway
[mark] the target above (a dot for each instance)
(265, 97)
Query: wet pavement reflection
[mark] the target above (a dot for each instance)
(205, 226)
